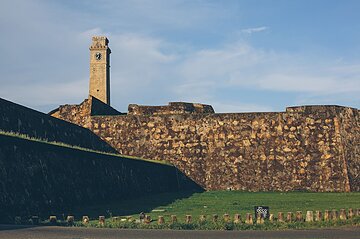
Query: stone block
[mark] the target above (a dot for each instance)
(289, 217)
(309, 216)
(161, 220)
(260, 219)
(53, 219)
(226, 217)
(271, 217)
(318, 216)
(280, 217)
(147, 219)
(249, 219)
(85, 220)
(101, 220)
(237, 218)
(299, 216)
(173, 219)
(202, 218)
(70, 220)
(342, 215)
(351, 213)
(327, 215)
(35, 220)
(188, 219)
(334, 215)
(17, 220)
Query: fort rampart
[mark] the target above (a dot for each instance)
(313, 148)
(22, 120)
(38, 178)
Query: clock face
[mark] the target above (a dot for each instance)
(98, 56)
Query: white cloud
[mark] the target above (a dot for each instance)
(254, 29)
(305, 82)
(239, 64)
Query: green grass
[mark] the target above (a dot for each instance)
(221, 202)
(61, 144)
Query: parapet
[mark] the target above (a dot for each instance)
(309, 109)
(99, 42)
(171, 108)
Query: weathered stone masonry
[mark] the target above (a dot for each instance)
(312, 148)
(42, 178)
(38, 178)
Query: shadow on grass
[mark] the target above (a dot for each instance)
(136, 204)
(132, 206)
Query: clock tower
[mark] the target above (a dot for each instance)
(100, 69)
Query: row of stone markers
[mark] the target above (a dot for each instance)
(310, 216)
(289, 217)
(328, 215)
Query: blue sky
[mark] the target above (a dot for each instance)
(239, 56)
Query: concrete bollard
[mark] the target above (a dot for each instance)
(161, 220)
(202, 218)
(226, 217)
(299, 216)
(318, 216)
(237, 218)
(215, 218)
(188, 219)
(280, 217)
(309, 216)
(53, 219)
(271, 217)
(327, 215)
(334, 215)
(351, 213)
(17, 220)
(70, 220)
(85, 219)
(249, 219)
(35, 220)
(147, 219)
(260, 219)
(173, 219)
(101, 220)
(342, 215)
(289, 217)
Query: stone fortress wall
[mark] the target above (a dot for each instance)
(315, 148)
(38, 177)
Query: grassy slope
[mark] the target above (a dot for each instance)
(231, 202)
(60, 144)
